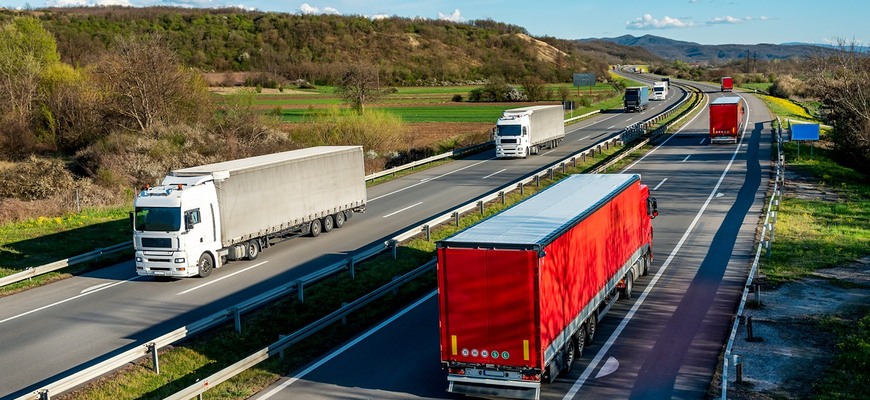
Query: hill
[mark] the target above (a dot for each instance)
(315, 47)
(693, 52)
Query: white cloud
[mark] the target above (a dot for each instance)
(732, 20)
(648, 22)
(379, 16)
(307, 9)
(87, 3)
(456, 16)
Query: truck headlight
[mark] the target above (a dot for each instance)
(139, 259)
(179, 260)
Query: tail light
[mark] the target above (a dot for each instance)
(456, 371)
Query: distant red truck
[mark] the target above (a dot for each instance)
(521, 293)
(726, 119)
(727, 84)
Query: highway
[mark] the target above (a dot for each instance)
(55, 330)
(662, 344)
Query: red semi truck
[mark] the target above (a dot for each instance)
(726, 119)
(522, 292)
(727, 84)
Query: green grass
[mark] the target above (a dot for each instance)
(849, 373)
(761, 87)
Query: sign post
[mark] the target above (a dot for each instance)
(804, 132)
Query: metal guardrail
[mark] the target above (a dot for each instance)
(29, 273)
(766, 238)
(297, 286)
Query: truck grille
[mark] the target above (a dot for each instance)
(508, 140)
(163, 243)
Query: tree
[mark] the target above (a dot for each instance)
(146, 84)
(358, 86)
(534, 88)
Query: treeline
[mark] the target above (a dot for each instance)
(314, 47)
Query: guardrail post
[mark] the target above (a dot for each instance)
(428, 232)
(155, 361)
(757, 294)
(574, 162)
(456, 218)
(480, 206)
(551, 173)
(522, 189)
(237, 319)
(44, 395)
(606, 145)
(537, 181)
(344, 318)
(351, 265)
(738, 363)
(501, 194)
(749, 336)
(300, 290)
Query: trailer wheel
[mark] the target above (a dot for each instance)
(581, 342)
(339, 219)
(252, 249)
(626, 292)
(591, 326)
(314, 228)
(646, 262)
(205, 264)
(328, 223)
(568, 357)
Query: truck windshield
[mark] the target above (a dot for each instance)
(509, 130)
(659, 89)
(631, 96)
(162, 219)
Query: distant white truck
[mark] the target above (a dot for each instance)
(521, 132)
(199, 217)
(660, 91)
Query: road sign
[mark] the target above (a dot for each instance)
(804, 131)
(584, 80)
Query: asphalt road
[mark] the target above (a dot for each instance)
(664, 344)
(58, 329)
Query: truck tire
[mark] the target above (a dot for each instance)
(591, 326)
(646, 262)
(568, 357)
(339, 219)
(205, 264)
(580, 339)
(328, 223)
(314, 228)
(252, 249)
(626, 291)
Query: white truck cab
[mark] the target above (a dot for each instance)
(177, 227)
(660, 91)
(512, 136)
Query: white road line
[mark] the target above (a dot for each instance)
(660, 184)
(611, 127)
(95, 287)
(703, 140)
(496, 172)
(344, 348)
(668, 139)
(221, 278)
(687, 157)
(432, 179)
(69, 299)
(396, 212)
(584, 138)
(612, 339)
(630, 119)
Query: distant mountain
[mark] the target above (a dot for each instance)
(693, 52)
(846, 46)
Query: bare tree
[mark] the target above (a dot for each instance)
(358, 86)
(147, 84)
(534, 88)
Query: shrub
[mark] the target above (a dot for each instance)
(457, 98)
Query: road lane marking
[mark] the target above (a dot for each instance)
(660, 184)
(69, 299)
(95, 287)
(584, 138)
(344, 348)
(432, 179)
(396, 212)
(703, 140)
(687, 157)
(611, 127)
(496, 172)
(612, 339)
(220, 279)
(610, 366)
(669, 137)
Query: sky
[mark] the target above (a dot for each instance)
(700, 21)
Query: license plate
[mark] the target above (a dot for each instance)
(498, 374)
(159, 273)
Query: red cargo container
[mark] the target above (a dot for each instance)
(726, 119)
(727, 84)
(521, 292)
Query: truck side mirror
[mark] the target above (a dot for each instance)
(132, 220)
(652, 208)
(188, 222)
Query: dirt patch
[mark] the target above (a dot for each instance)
(791, 349)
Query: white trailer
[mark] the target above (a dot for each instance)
(199, 217)
(524, 131)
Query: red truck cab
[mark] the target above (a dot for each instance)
(727, 84)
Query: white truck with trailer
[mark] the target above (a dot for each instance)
(660, 91)
(199, 217)
(524, 131)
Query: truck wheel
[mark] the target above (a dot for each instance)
(339, 219)
(591, 326)
(626, 292)
(327, 223)
(646, 263)
(568, 358)
(314, 228)
(581, 342)
(252, 249)
(205, 264)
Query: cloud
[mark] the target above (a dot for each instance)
(379, 16)
(87, 3)
(732, 20)
(456, 16)
(648, 22)
(694, 1)
(307, 9)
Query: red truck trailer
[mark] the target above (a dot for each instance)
(726, 119)
(521, 293)
(727, 84)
